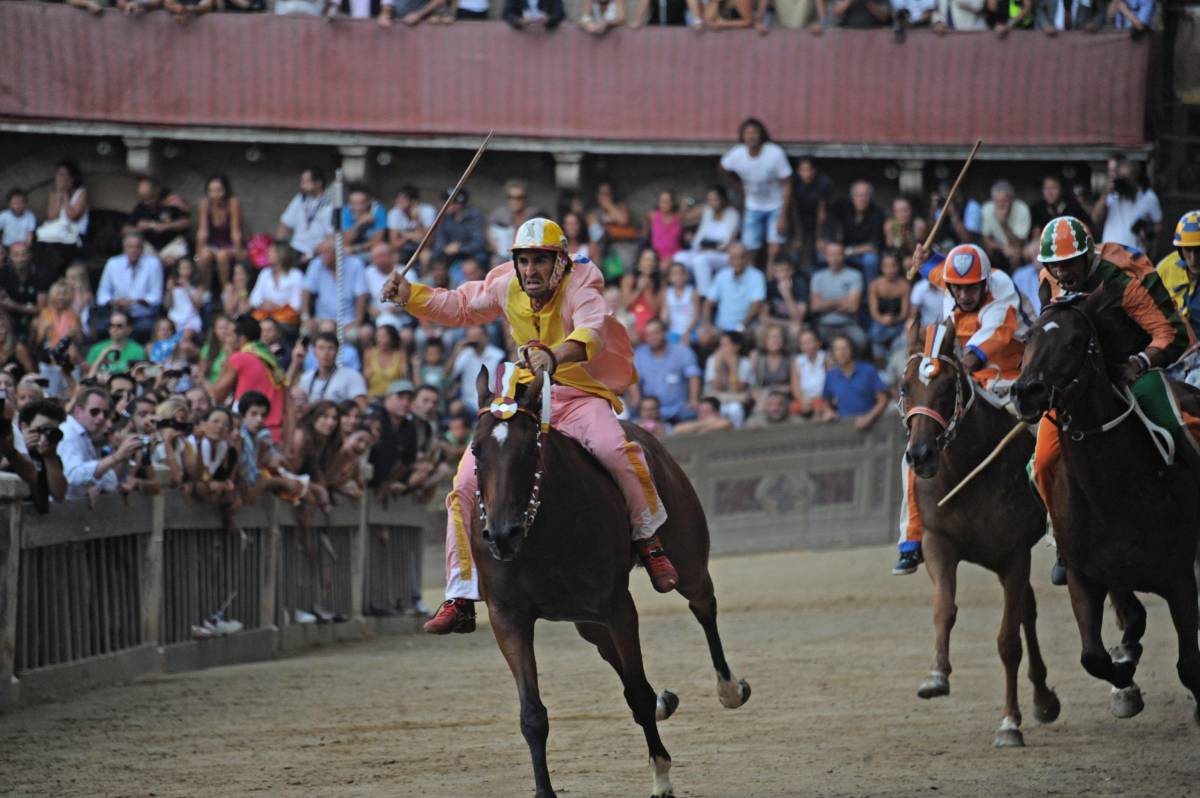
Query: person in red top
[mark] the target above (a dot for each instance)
(252, 368)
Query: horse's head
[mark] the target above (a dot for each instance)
(508, 466)
(934, 394)
(1060, 342)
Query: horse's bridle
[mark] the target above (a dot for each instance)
(1062, 418)
(535, 493)
(961, 405)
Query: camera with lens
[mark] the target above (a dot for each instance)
(185, 427)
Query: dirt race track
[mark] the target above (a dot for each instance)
(833, 646)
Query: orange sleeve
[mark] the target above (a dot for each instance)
(1142, 308)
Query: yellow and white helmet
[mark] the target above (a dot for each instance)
(547, 236)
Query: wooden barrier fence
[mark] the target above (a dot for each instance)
(90, 596)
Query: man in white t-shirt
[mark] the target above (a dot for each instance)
(383, 263)
(474, 351)
(762, 169)
(1131, 216)
(328, 380)
(17, 222)
(308, 218)
(408, 220)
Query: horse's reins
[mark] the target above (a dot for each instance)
(1062, 418)
(543, 422)
(961, 405)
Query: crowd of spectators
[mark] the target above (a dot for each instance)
(209, 356)
(598, 17)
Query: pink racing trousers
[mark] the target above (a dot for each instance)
(582, 417)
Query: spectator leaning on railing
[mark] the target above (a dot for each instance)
(88, 473)
(39, 423)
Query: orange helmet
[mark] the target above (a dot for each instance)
(966, 264)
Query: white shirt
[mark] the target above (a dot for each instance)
(928, 302)
(310, 220)
(811, 374)
(1019, 221)
(79, 459)
(474, 6)
(1123, 214)
(342, 384)
(760, 176)
(286, 290)
(721, 228)
(184, 312)
(375, 280)
(398, 220)
(16, 228)
(122, 281)
(466, 370)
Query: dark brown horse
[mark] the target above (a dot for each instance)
(1123, 520)
(554, 543)
(993, 522)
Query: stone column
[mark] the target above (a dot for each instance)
(141, 156)
(567, 168)
(354, 163)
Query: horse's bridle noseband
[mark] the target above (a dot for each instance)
(535, 493)
(961, 405)
(1062, 418)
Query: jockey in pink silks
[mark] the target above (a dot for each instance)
(546, 298)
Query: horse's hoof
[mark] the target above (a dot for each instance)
(935, 684)
(1047, 712)
(733, 694)
(668, 702)
(1127, 702)
(1009, 738)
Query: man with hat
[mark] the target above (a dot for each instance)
(547, 299)
(1180, 270)
(396, 449)
(462, 233)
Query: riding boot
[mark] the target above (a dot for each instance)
(1058, 574)
(455, 615)
(662, 572)
(908, 562)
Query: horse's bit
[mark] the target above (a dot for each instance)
(961, 405)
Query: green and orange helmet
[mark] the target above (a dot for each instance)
(1063, 238)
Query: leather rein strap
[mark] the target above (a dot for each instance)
(961, 405)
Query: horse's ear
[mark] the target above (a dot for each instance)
(532, 399)
(950, 339)
(481, 387)
(916, 336)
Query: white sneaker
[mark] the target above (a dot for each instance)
(203, 631)
(300, 616)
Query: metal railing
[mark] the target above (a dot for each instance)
(97, 594)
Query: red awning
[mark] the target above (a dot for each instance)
(262, 71)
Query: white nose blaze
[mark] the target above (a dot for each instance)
(500, 432)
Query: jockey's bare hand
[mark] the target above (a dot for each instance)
(918, 258)
(396, 289)
(539, 360)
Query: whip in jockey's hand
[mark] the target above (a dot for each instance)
(396, 290)
(540, 360)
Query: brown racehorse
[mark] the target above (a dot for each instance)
(1123, 520)
(994, 521)
(554, 543)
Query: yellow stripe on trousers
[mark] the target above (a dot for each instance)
(633, 453)
(462, 541)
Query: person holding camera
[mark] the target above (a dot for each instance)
(39, 423)
(89, 474)
(172, 421)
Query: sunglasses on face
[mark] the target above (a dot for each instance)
(117, 325)
(97, 412)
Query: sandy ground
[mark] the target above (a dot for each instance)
(833, 646)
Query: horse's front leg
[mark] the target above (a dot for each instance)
(1184, 614)
(942, 565)
(1015, 580)
(1087, 603)
(514, 635)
